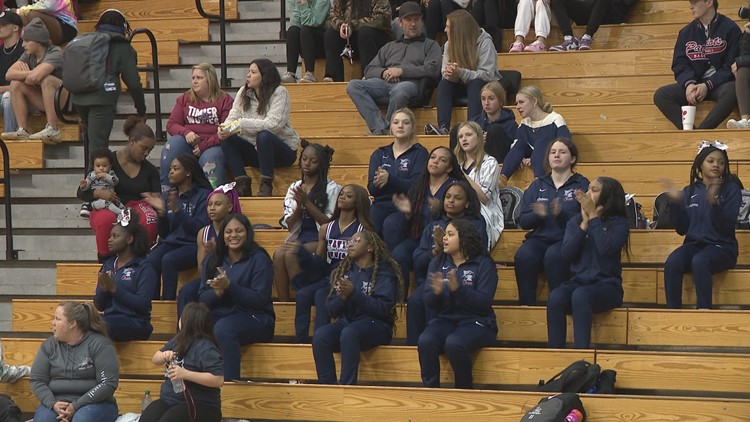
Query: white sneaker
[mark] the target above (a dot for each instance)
(738, 124)
(309, 77)
(20, 134)
(48, 135)
(288, 78)
(328, 79)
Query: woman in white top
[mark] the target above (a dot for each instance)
(265, 138)
(482, 173)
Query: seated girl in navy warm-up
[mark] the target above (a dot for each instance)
(593, 245)
(364, 291)
(705, 212)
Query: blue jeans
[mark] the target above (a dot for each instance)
(448, 92)
(168, 260)
(95, 412)
(125, 328)
(350, 338)
(212, 160)
(304, 303)
(239, 328)
(700, 260)
(270, 151)
(535, 256)
(9, 116)
(458, 340)
(583, 301)
(367, 94)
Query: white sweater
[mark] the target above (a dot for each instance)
(276, 119)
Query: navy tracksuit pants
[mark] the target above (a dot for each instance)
(313, 294)
(533, 257)
(583, 301)
(702, 261)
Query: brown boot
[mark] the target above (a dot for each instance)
(266, 186)
(244, 186)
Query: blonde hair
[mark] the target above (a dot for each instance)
(413, 138)
(479, 153)
(214, 90)
(496, 88)
(463, 35)
(533, 91)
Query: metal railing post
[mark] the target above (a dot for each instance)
(154, 68)
(10, 253)
(221, 17)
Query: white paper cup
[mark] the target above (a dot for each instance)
(688, 117)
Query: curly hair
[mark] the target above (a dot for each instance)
(381, 256)
(470, 242)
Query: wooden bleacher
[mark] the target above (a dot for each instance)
(518, 367)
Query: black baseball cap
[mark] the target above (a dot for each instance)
(409, 8)
(10, 18)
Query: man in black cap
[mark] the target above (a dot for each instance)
(10, 34)
(33, 81)
(393, 76)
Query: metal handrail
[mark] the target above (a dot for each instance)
(221, 17)
(10, 253)
(154, 68)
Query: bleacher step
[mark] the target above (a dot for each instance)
(244, 53)
(42, 216)
(80, 245)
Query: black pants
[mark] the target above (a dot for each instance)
(488, 14)
(437, 12)
(305, 41)
(158, 411)
(671, 98)
(365, 41)
(593, 16)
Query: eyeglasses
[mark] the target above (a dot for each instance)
(355, 240)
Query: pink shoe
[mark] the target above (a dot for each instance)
(516, 47)
(535, 47)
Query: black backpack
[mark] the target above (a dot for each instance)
(555, 408)
(510, 200)
(578, 377)
(662, 212)
(86, 62)
(636, 219)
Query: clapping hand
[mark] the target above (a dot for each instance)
(104, 279)
(436, 283)
(220, 282)
(344, 287)
(438, 233)
(381, 177)
(300, 196)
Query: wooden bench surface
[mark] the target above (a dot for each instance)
(516, 323)
(25, 154)
(133, 9)
(165, 27)
(391, 364)
(579, 118)
(696, 328)
(659, 11)
(729, 288)
(346, 403)
(576, 64)
(636, 370)
(79, 279)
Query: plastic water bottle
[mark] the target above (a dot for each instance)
(574, 416)
(177, 385)
(210, 170)
(146, 400)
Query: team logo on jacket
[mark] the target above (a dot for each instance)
(569, 195)
(366, 287)
(695, 51)
(86, 364)
(403, 164)
(127, 274)
(467, 278)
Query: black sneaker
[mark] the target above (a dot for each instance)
(85, 210)
(430, 129)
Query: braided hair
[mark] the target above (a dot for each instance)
(419, 189)
(381, 255)
(324, 154)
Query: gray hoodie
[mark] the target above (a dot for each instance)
(82, 374)
(486, 67)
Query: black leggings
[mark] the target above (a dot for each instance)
(742, 86)
(593, 17)
(365, 41)
(437, 12)
(158, 411)
(488, 15)
(305, 41)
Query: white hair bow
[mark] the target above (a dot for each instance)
(716, 144)
(123, 218)
(226, 187)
